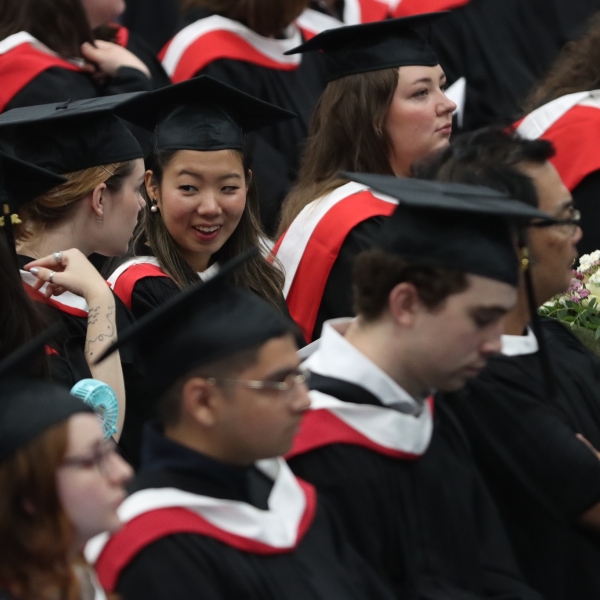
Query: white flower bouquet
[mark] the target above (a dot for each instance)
(579, 307)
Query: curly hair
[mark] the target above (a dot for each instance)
(577, 69)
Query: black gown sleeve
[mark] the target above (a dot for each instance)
(587, 201)
(528, 444)
(59, 85)
(138, 46)
(337, 297)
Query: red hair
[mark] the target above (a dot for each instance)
(35, 533)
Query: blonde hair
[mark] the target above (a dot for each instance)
(55, 206)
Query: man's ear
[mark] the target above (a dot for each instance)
(97, 200)
(200, 401)
(404, 304)
(152, 187)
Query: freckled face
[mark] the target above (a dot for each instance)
(419, 120)
(201, 200)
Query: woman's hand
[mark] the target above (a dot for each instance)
(73, 272)
(109, 57)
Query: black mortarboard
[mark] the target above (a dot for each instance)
(29, 407)
(373, 46)
(20, 182)
(70, 136)
(209, 321)
(451, 225)
(200, 114)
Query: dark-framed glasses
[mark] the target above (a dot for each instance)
(99, 459)
(568, 225)
(287, 384)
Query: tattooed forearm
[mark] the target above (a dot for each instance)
(101, 330)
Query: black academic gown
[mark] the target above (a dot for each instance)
(428, 526)
(70, 366)
(276, 149)
(503, 49)
(57, 84)
(542, 478)
(189, 566)
(587, 200)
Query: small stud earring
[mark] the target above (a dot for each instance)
(154, 207)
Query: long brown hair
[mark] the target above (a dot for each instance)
(62, 25)
(36, 535)
(577, 69)
(57, 204)
(258, 275)
(266, 17)
(347, 133)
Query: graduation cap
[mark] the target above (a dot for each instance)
(373, 46)
(70, 136)
(200, 114)
(207, 322)
(20, 182)
(454, 226)
(30, 407)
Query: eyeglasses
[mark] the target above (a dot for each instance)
(99, 459)
(567, 225)
(290, 382)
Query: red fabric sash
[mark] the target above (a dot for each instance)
(575, 137)
(122, 35)
(321, 252)
(372, 10)
(124, 285)
(21, 65)
(217, 45)
(320, 428)
(407, 8)
(142, 531)
(37, 296)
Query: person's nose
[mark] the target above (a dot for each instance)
(120, 472)
(492, 344)
(446, 105)
(301, 399)
(209, 205)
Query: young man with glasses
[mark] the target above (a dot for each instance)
(430, 303)
(214, 513)
(525, 433)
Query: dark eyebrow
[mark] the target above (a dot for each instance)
(281, 374)
(190, 173)
(568, 203)
(489, 310)
(422, 80)
(230, 176)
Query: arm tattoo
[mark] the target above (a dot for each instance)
(109, 333)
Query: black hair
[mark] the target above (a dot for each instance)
(490, 157)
